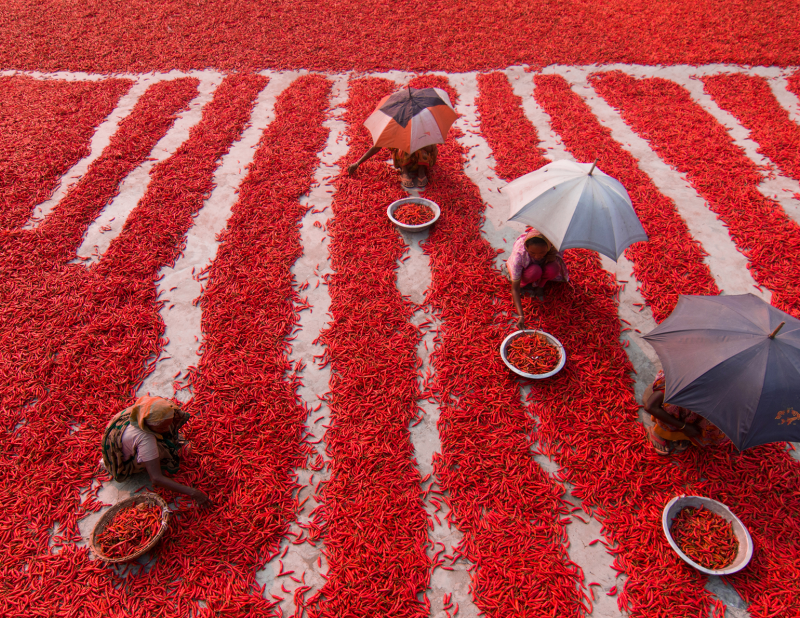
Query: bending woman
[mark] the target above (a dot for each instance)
(533, 262)
(413, 167)
(145, 437)
(676, 428)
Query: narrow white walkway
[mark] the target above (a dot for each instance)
(310, 271)
(182, 284)
(727, 265)
(646, 363)
(594, 560)
(774, 184)
(110, 222)
(100, 140)
(788, 99)
(413, 280)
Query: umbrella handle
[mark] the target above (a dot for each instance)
(593, 166)
(777, 328)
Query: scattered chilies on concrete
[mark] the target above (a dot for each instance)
(688, 137)
(47, 127)
(507, 507)
(750, 99)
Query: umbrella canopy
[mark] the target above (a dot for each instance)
(411, 119)
(576, 205)
(723, 360)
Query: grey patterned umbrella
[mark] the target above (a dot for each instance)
(734, 360)
(576, 205)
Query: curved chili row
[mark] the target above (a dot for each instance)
(46, 129)
(96, 329)
(687, 137)
(671, 262)
(586, 412)
(506, 506)
(750, 99)
(53, 315)
(510, 135)
(375, 525)
(248, 434)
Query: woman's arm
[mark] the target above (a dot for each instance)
(153, 468)
(654, 407)
(367, 155)
(515, 295)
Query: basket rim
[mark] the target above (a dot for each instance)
(534, 376)
(414, 200)
(144, 497)
(730, 516)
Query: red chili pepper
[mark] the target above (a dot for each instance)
(413, 214)
(705, 537)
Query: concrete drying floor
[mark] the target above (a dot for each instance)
(183, 321)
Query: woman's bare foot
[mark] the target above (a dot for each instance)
(407, 179)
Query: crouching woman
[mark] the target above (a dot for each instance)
(144, 437)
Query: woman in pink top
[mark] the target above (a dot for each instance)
(533, 262)
(144, 437)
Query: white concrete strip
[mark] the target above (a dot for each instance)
(788, 99)
(181, 283)
(413, 279)
(645, 363)
(500, 232)
(774, 184)
(727, 265)
(99, 142)
(522, 84)
(109, 224)
(637, 316)
(310, 271)
(595, 561)
(580, 534)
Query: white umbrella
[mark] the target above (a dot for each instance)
(576, 205)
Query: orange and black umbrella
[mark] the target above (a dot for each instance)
(411, 119)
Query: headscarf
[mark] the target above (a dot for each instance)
(534, 233)
(153, 410)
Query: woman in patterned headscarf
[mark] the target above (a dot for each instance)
(145, 437)
(675, 428)
(533, 262)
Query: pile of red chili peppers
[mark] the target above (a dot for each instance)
(705, 537)
(77, 341)
(130, 530)
(413, 214)
(532, 354)
(587, 422)
(352, 34)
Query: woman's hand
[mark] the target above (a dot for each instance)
(351, 169)
(691, 431)
(203, 501)
(521, 323)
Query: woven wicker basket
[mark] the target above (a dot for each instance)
(146, 498)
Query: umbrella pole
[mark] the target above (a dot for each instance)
(593, 166)
(777, 328)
